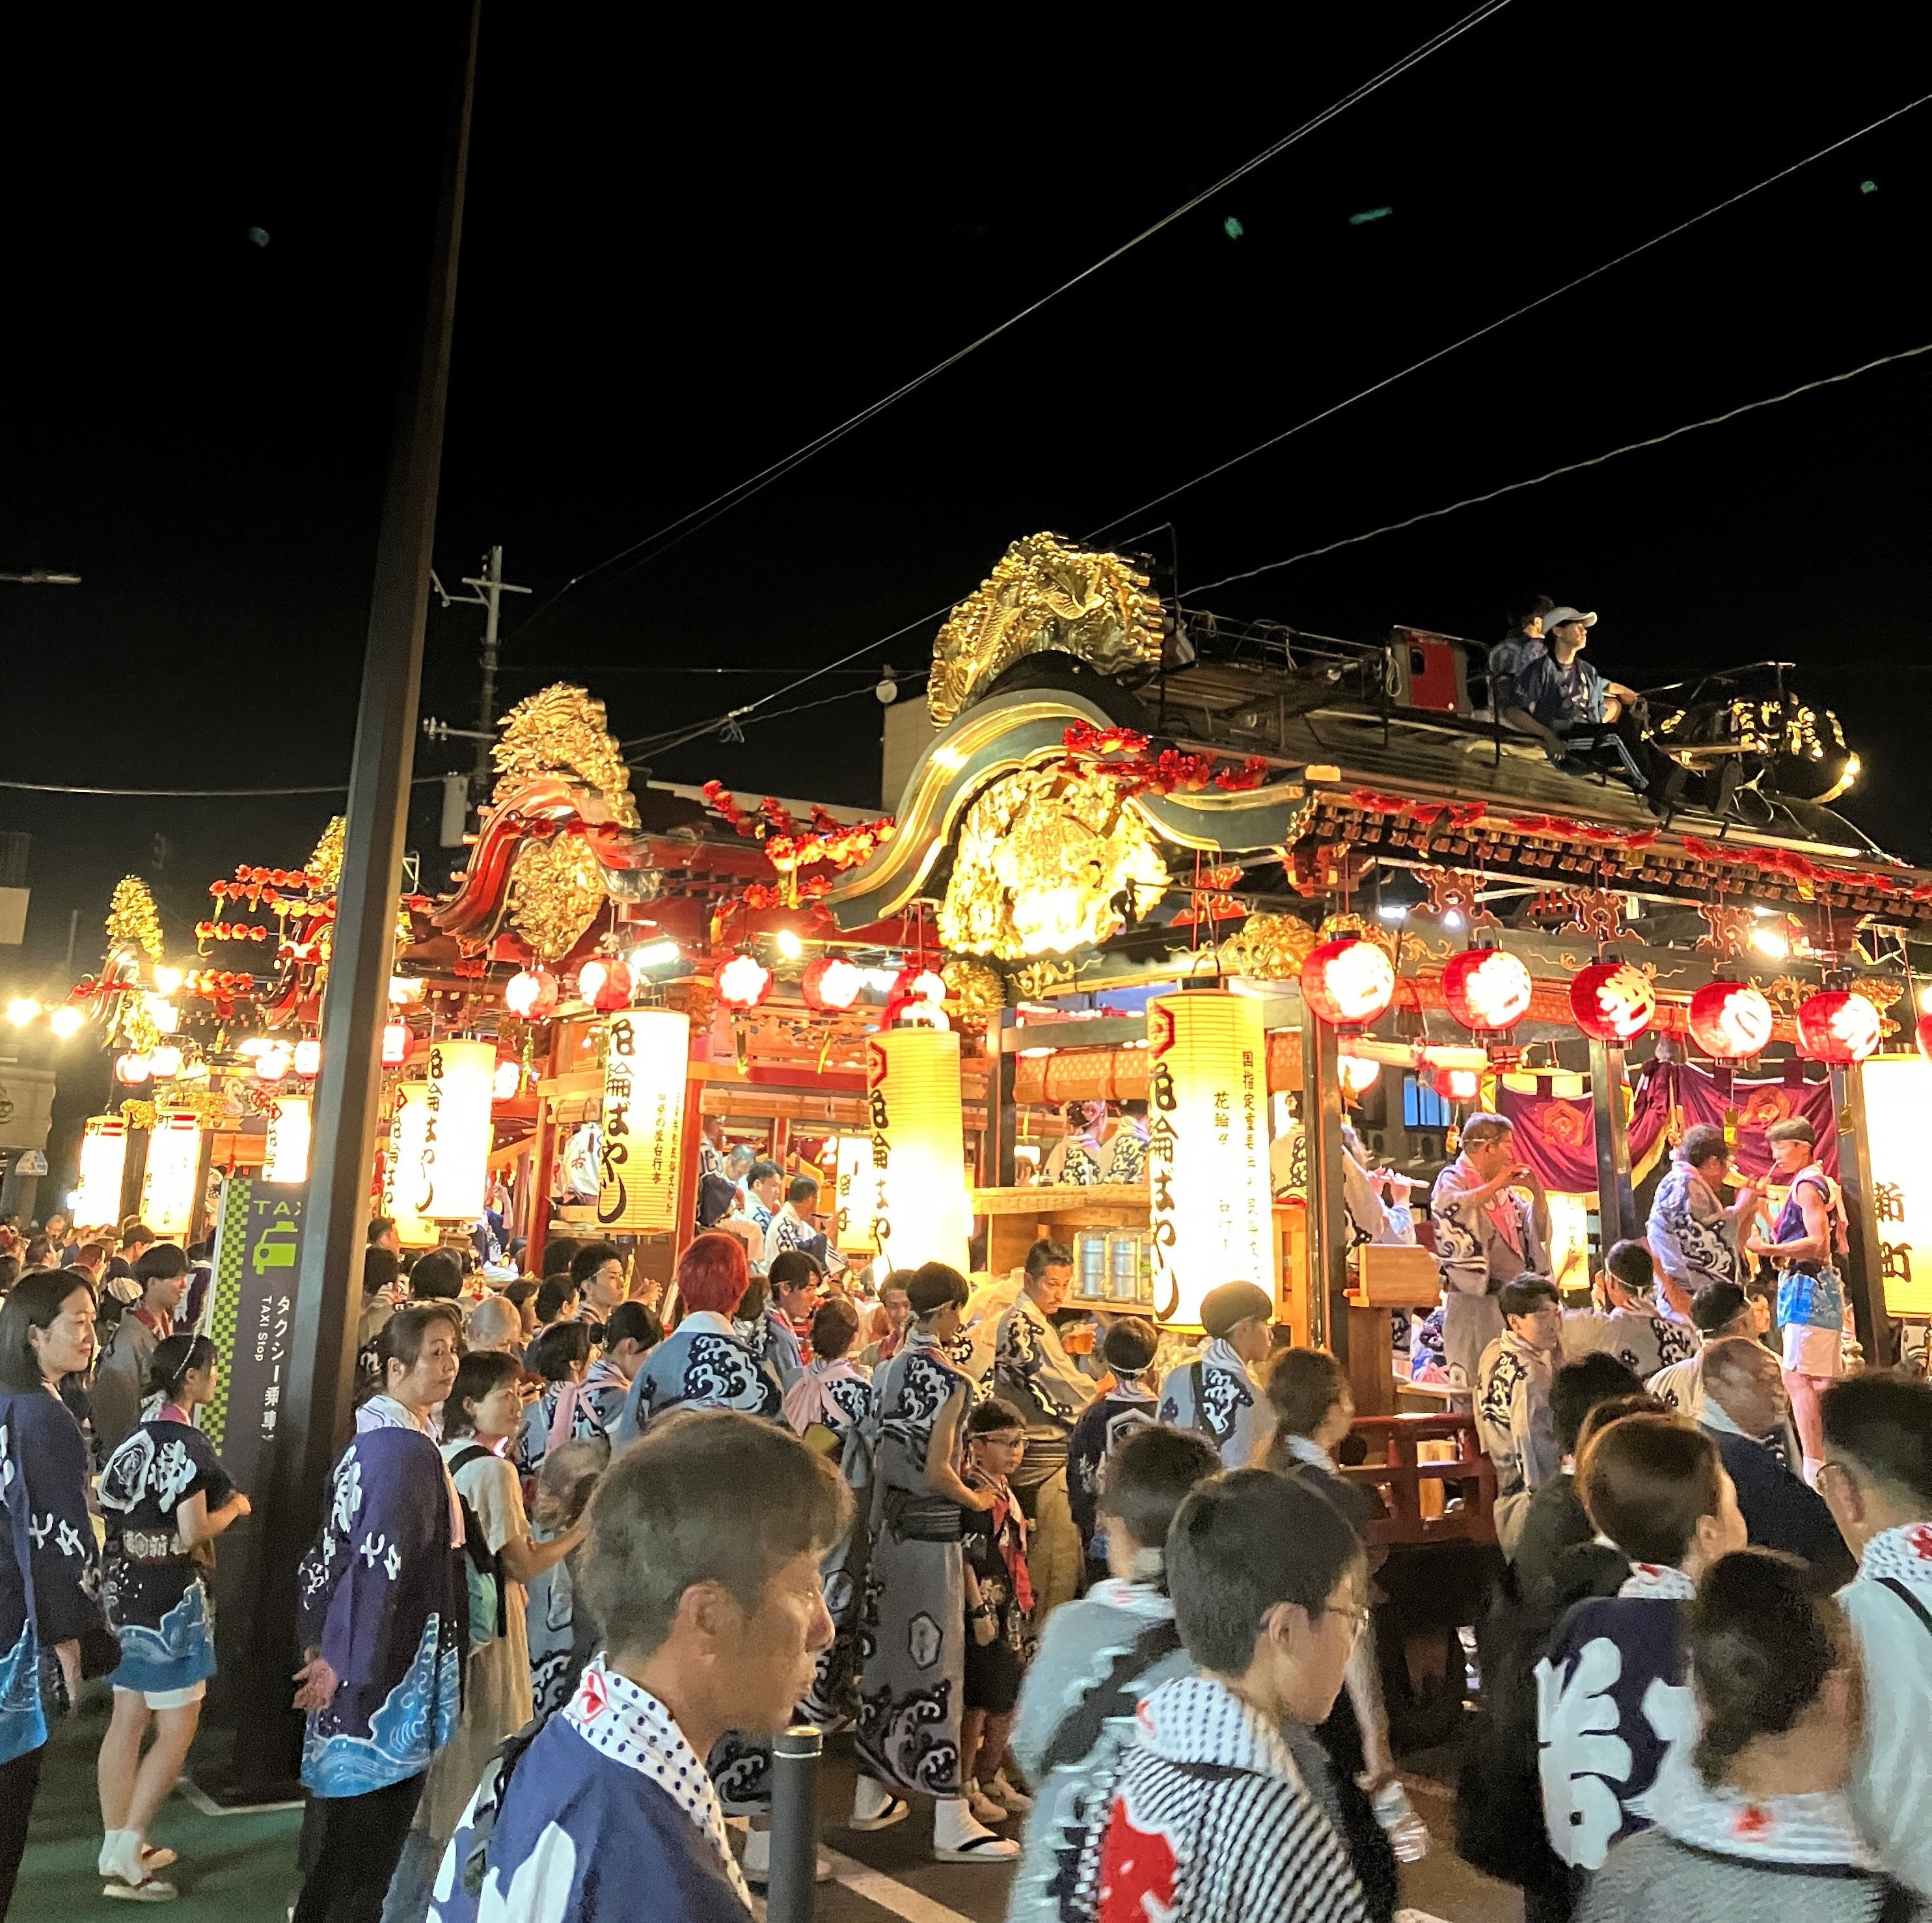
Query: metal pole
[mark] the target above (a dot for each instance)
(315, 1401)
(486, 707)
(1865, 1279)
(1616, 1210)
(1328, 1214)
(792, 1894)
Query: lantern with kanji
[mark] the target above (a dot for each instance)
(1349, 981)
(1730, 1020)
(922, 1211)
(605, 982)
(831, 982)
(103, 1164)
(1487, 990)
(1613, 1001)
(1839, 1026)
(646, 1058)
(531, 993)
(743, 981)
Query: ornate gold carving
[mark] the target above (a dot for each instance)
(555, 890)
(1044, 863)
(974, 992)
(1044, 597)
(561, 730)
(132, 920)
(325, 865)
(1268, 948)
(1036, 978)
(1728, 928)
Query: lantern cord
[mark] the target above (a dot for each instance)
(650, 546)
(1490, 327)
(1571, 467)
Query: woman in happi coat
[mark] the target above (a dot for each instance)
(49, 1572)
(564, 1412)
(383, 1612)
(912, 1634)
(165, 1498)
(831, 1406)
(704, 1363)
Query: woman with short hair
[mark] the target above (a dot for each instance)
(165, 1498)
(49, 1570)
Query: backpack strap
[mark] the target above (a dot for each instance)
(464, 1457)
(1197, 1380)
(1910, 1601)
(1079, 1730)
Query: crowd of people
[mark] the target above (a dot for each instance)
(1053, 1574)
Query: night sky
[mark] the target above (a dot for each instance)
(685, 254)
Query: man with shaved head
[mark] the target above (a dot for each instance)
(1744, 1400)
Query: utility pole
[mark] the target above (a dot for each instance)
(488, 590)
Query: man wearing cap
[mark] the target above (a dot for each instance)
(1486, 1234)
(1805, 1243)
(1564, 696)
(1033, 1371)
(1215, 1395)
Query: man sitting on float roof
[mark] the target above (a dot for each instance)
(1563, 695)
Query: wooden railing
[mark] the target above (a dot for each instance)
(1419, 1492)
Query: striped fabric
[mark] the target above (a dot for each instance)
(1212, 1820)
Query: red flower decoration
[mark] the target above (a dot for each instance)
(1921, 1540)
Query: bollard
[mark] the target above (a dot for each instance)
(792, 1893)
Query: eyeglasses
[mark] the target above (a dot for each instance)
(1357, 1614)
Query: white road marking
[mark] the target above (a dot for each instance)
(875, 1886)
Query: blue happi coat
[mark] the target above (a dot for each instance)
(703, 1366)
(382, 1593)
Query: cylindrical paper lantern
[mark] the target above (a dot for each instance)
(922, 1210)
(647, 1054)
(1488, 989)
(1350, 982)
(462, 1076)
(174, 1167)
(290, 1125)
(1730, 1020)
(858, 1195)
(407, 1186)
(1838, 1026)
(1209, 1205)
(1613, 1001)
(104, 1167)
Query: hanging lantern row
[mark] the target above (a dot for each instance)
(604, 983)
(531, 995)
(1838, 1026)
(743, 981)
(831, 983)
(1488, 990)
(1613, 1001)
(1730, 1021)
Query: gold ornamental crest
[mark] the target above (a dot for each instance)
(1044, 597)
(561, 730)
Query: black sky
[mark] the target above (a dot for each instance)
(687, 251)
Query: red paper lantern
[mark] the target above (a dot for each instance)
(1613, 1001)
(531, 995)
(605, 982)
(395, 1041)
(743, 981)
(1838, 1026)
(1923, 1031)
(1348, 982)
(831, 982)
(1730, 1020)
(1487, 989)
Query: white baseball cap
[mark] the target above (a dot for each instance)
(1557, 617)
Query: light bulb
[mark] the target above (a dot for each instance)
(65, 1020)
(167, 981)
(21, 1009)
(789, 945)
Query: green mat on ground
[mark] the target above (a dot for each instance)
(238, 1866)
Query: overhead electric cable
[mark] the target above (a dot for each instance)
(688, 524)
(1529, 307)
(1571, 467)
(193, 794)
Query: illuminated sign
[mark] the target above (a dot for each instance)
(922, 1211)
(647, 1054)
(1898, 1124)
(174, 1168)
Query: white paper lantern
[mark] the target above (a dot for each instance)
(174, 1170)
(104, 1167)
(291, 1124)
(923, 1211)
(647, 1055)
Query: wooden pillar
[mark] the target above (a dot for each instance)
(1616, 1212)
(1000, 1170)
(1327, 1276)
(685, 1226)
(1864, 1281)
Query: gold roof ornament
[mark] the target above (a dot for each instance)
(560, 730)
(1043, 863)
(556, 889)
(1268, 948)
(133, 921)
(974, 992)
(325, 865)
(1044, 598)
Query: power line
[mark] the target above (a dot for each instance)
(698, 518)
(662, 744)
(1542, 300)
(193, 794)
(1572, 467)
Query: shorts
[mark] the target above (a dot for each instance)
(992, 1675)
(165, 1698)
(1816, 1352)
